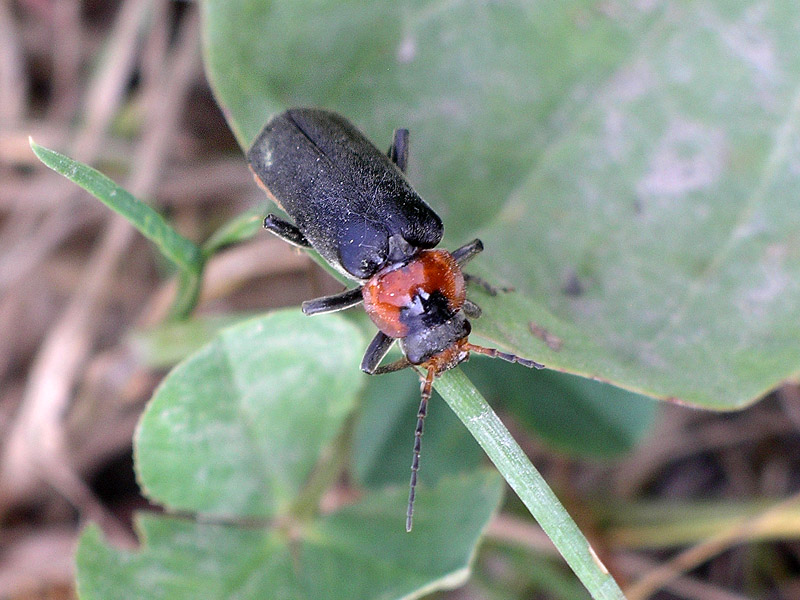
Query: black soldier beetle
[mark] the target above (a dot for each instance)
(353, 205)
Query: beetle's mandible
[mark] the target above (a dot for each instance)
(353, 205)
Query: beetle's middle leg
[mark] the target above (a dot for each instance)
(286, 231)
(398, 152)
(467, 252)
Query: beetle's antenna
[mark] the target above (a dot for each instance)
(423, 409)
(495, 353)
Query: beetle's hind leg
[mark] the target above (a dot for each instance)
(465, 254)
(333, 303)
(398, 152)
(490, 289)
(286, 231)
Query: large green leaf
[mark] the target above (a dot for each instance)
(664, 221)
(632, 171)
(482, 86)
(237, 428)
(359, 552)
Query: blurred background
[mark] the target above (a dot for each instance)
(120, 85)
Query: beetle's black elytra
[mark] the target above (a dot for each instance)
(354, 206)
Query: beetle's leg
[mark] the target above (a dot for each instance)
(490, 289)
(467, 252)
(472, 310)
(333, 303)
(286, 231)
(397, 365)
(495, 353)
(375, 353)
(398, 153)
(376, 350)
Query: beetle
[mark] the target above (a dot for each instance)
(353, 204)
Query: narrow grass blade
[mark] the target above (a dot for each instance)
(239, 228)
(181, 251)
(527, 482)
(189, 283)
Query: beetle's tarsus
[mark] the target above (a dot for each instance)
(376, 350)
(512, 358)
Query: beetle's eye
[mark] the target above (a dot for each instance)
(363, 249)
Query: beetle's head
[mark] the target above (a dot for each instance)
(440, 339)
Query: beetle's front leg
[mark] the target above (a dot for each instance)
(375, 353)
(472, 310)
(490, 289)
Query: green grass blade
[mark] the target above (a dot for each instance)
(527, 482)
(181, 251)
(241, 227)
(186, 297)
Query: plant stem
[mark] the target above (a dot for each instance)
(186, 296)
(527, 482)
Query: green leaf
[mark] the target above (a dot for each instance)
(166, 344)
(474, 82)
(665, 222)
(359, 552)
(181, 251)
(631, 172)
(237, 428)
